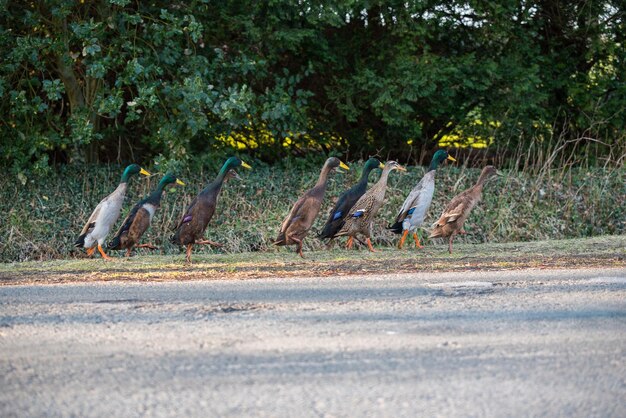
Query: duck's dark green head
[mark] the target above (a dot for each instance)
(131, 170)
(373, 163)
(233, 163)
(169, 178)
(439, 157)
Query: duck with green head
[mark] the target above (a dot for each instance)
(139, 218)
(193, 223)
(106, 214)
(347, 199)
(417, 203)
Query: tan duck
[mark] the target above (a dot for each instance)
(297, 224)
(360, 218)
(105, 215)
(139, 219)
(454, 215)
(193, 223)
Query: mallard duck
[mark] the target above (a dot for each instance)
(417, 203)
(297, 224)
(454, 215)
(194, 221)
(105, 215)
(361, 216)
(347, 200)
(139, 218)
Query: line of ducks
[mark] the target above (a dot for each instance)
(352, 215)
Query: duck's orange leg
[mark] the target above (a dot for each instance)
(369, 245)
(450, 243)
(207, 242)
(350, 243)
(149, 246)
(103, 254)
(417, 241)
(188, 256)
(90, 251)
(128, 251)
(299, 243)
(404, 234)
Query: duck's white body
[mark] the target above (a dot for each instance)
(104, 217)
(416, 205)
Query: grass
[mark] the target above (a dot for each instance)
(43, 217)
(606, 251)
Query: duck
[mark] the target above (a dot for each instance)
(139, 218)
(347, 199)
(456, 212)
(105, 215)
(360, 218)
(296, 225)
(417, 203)
(190, 229)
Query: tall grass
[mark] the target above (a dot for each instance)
(548, 197)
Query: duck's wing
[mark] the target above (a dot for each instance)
(453, 210)
(126, 224)
(188, 215)
(412, 200)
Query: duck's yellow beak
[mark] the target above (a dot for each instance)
(400, 168)
(343, 165)
(381, 166)
(144, 172)
(245, 165)
(451, 158)
(180, 182)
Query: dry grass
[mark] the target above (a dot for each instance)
(608, 251)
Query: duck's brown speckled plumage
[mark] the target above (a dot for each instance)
(456, 212)
(359, 219)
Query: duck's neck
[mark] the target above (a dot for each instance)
(433, 165)
(219, 180)
(155, 196)
(323, 178)
(365, 175)
(482, 179)
(382, 182)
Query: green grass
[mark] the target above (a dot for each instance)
(606, 251)
(43, 217)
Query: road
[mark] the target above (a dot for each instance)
(501, 343)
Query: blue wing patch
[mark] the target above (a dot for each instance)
(410, 212)
(358, 213)
(337, 215)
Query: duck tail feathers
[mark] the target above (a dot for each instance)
(396, 227)
(115, 243)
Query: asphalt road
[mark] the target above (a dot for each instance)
(502, 343)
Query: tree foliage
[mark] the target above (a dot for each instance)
(111, 80)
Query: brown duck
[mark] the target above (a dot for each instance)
(139, 219)
(297, 224)
(454, 215)
(190, 229)
(360, 218)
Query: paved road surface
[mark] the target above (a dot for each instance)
(521, 343)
